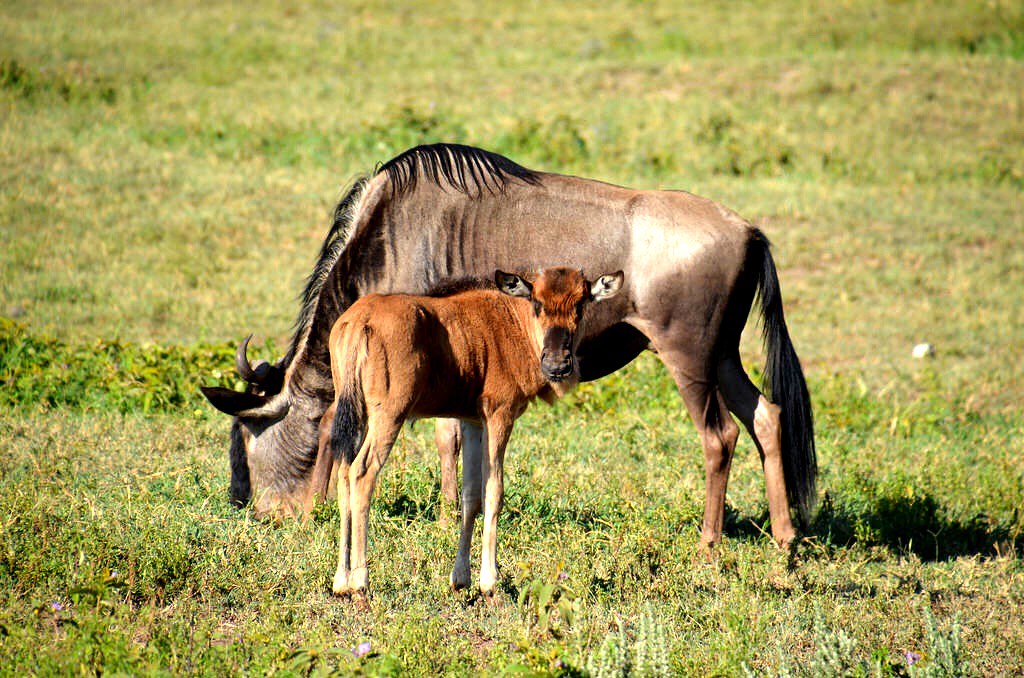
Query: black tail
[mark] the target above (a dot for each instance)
(347, 431)
(784, 384)
(349, 426)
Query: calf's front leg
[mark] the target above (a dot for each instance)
(499, 428)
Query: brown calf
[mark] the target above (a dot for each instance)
(478, 355)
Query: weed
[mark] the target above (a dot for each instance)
(647, 656)
(611, 660)
(838, 654)
(548, 605)
(164, 192)
(943, 658)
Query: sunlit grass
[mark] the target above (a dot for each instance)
(166, 179)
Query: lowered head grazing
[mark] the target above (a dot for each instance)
(560, 297)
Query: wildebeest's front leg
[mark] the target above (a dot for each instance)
(472, 489)
(318, 488)
(499, 428)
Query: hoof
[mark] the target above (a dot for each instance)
(785, 538)
(492, 598)
(340, 585)
(447, 517)
(459, 579)
(707, 549)
(361, 600)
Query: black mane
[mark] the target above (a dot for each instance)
(332, 246)
(447, 288)
(465, 168)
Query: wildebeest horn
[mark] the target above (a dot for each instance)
(245, 370)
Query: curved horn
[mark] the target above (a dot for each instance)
(261, 368)
(245, 370)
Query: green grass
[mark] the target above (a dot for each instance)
(168, 173)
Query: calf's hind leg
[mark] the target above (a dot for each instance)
(340, 586)
(381, 433)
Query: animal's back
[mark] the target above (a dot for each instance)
(437, 356)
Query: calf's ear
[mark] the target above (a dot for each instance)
(512, 285)
(607, 286)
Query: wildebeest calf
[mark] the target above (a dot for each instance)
(478, 355)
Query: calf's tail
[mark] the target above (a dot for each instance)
(784, 384)
(349, 426)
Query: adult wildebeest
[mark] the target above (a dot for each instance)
(692, 268)
(481, 355)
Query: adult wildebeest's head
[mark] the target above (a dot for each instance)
(559, 296)
(262, 421)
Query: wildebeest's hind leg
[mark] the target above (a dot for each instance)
(761, 419)
(381, 433)
(447, 437)
(718, 433)
(472, 499)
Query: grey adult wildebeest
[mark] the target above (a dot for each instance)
(693, 269)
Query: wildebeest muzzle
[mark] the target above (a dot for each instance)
(556, 363)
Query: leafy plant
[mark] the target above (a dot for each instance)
(646, 657)
(548, 605)
(38, 370)
(97, 594)
(944, 658)
(361, 660)
(612, 658)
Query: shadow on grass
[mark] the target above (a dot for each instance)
(518, 505)
(912, 523)
(903, 523)
(907, 524)
(413, 508)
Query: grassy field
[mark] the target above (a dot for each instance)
(167, 173)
